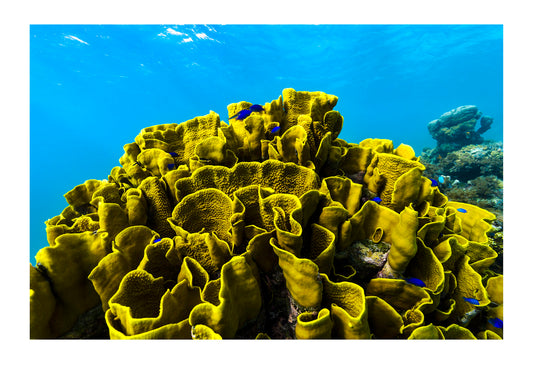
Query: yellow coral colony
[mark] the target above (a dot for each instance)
(266, 227)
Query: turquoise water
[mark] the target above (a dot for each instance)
(93, 88)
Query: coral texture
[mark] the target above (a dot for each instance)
(269, 227)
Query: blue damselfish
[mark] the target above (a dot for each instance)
(496, 322)
(256, 108)
(415, 281)
(244, 113)
(472, 301)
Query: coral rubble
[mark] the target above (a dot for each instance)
(266, 227)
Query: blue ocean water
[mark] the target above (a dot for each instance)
(94, 87)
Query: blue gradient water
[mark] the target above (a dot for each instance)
(93, 88)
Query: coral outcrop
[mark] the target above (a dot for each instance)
(456, 128)
(269, 227)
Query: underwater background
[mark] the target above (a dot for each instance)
(94, 87)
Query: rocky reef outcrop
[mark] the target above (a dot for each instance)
(456, 129)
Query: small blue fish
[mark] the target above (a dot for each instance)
(377, 199)
(275, 129)
(157, 240)
(171, 166)
(243, 114)
(173, 154)
(441, 179)
(496, 322)
(415, 281)
(95, 231)
(256, 108)
(472, 301)
(462, 210)
(434, 183)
